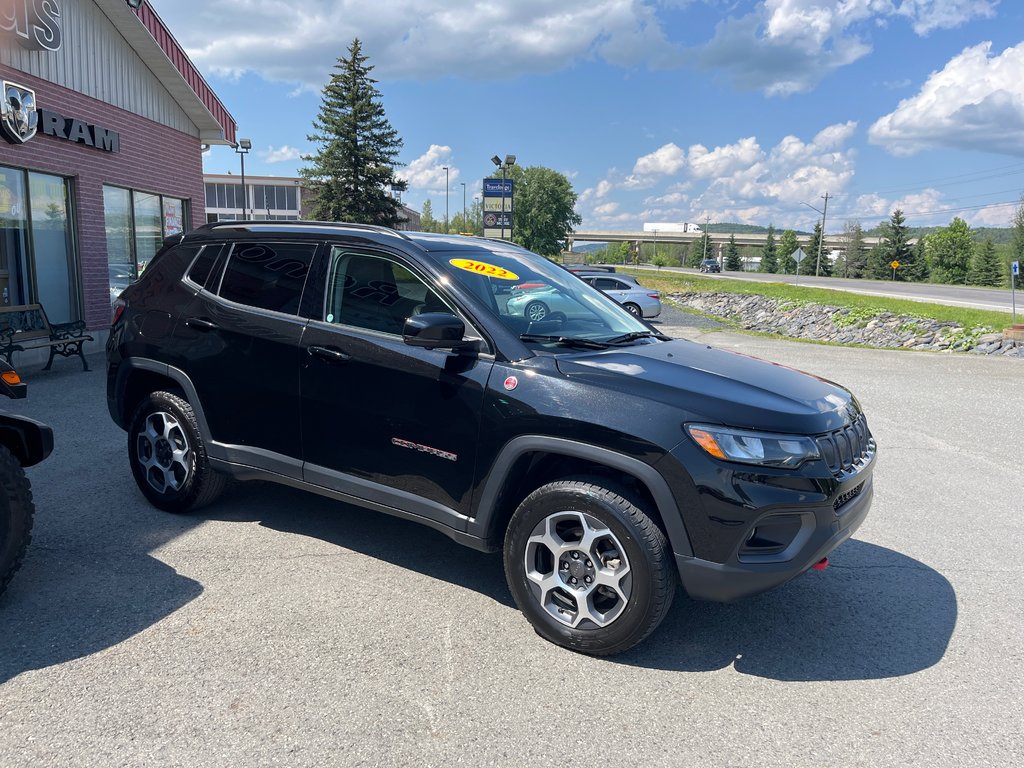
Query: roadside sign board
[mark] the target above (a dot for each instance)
(497, 205)
(1015, 268)
(894, 264)
(492, 187)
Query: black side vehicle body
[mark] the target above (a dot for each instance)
(577, 455)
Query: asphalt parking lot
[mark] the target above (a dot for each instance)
(278, 628)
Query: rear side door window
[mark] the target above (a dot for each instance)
(267, 276)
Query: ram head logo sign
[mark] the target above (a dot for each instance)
(18, 117)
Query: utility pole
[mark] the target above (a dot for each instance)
(446, 187)
(465, 224)
(707, 236)
(817, 267)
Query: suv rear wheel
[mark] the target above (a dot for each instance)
(588, 567)
(168, 456)
(16, 511)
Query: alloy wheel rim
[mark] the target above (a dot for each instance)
(577, 570)
(164, 453)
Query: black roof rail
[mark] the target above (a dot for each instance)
(300, 224)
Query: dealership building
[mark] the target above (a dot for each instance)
(103, 125)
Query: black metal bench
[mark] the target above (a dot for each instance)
(25, 326)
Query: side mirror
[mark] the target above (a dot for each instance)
(434, 330)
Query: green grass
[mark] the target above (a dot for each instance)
(860, 305)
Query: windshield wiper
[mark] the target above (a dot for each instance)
(564, 341)
(627, 338)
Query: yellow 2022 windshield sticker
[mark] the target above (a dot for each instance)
(483, 268)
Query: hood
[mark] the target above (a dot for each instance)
(716, 386)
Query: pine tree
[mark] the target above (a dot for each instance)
(986, 267)
(352, 175)
(699, 249)
(733, 262)
(853, 262)
(877, 267)
(817, 261)
(769, 254)
(787, 247)
(427, 221)
(1017, 242)
(894, 247)
(917, 271)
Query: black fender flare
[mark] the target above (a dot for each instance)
(30, 441)
(176, 375)
(486, 508)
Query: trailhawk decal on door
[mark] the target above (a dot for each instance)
(424, 449)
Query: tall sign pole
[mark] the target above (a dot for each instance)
(1014, 274)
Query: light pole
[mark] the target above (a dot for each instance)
(476, 221)
(510, 160)
(242, 148)
(707, 237)
(464, 222)
(817, 266)
(446, 199)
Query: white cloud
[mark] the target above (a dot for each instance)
(975, 102)
(606, 210)
(789, 46)
(416, 39)
(723, 160)
(280, 155)
(603, 188)
(665, 161)
(427, 172)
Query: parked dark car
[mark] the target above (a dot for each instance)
(608, 462)
(23, 443)
(710, 265)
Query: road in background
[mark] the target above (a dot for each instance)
(951, 295)
(278, 628)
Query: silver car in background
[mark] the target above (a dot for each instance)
(625, 289)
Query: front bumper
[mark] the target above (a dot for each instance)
(736, 579)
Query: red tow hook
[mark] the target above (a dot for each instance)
(821, 565)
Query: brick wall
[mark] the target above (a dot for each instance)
(153, 158)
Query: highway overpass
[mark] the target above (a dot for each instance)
(598, 236)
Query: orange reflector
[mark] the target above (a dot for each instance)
(11, 377)
(707, 442)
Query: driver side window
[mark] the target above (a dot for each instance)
(375, 293)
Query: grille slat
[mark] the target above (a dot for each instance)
(846, 448)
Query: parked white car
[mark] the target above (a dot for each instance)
(625, 289)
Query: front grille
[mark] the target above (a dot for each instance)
(846, 498)
(847, 450)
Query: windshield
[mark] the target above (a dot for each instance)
(540, 301)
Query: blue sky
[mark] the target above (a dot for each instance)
(657, 110)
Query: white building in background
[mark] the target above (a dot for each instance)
(267, 198)
(672, 226)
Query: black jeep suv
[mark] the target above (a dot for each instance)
(388, 369)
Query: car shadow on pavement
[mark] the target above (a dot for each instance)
(874, 613)
(88, 581)
(403, 543)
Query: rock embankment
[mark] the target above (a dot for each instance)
(842, 325)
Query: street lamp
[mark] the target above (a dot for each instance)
(510, 160)
(446, 199)
(464, 222)
(242, 148)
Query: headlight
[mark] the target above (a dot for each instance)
(747, 447)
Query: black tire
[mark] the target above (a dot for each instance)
(634, 310)
(625, 541)
(16, 515)
(168, 456)
(535, 311)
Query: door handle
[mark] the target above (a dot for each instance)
(330, 354)
(201, 324)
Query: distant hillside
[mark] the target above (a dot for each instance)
(999, 235)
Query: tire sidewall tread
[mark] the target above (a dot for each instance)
(654, 577)
(17, 514)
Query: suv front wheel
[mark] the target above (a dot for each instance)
(588, 567)
(168, 456)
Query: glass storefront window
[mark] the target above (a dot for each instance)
(14, 250)
(55, 266)
(38, 261)
(136, 224)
